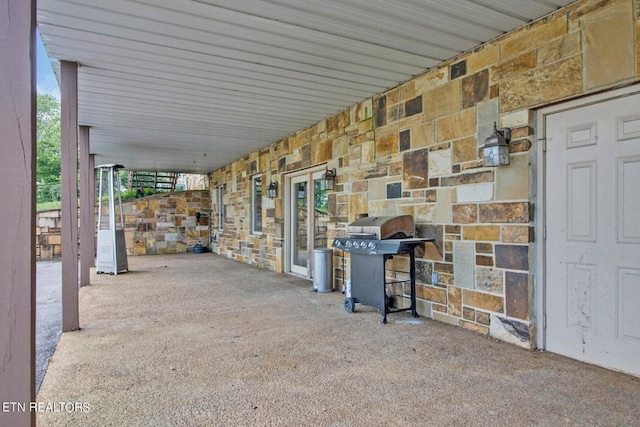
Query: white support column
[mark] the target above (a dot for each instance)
(69, 183)
(92, 189)
(87, 231)
(17, 210)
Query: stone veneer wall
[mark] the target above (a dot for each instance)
(48, 235)
(191, 181)
(166, 223)
(158, 224)
(415, 150)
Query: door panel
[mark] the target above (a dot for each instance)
(308, 214)
(629, 292)
(628, 202)
(581, 201)
(299, 224)
(592, 251)
(581, 280)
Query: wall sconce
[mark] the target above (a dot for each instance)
(327, 180)
(496, 147)
(302, 191)
(272, 190)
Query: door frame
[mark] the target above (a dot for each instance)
(288, 232)
(540, 196)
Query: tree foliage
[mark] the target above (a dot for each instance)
(48, 149)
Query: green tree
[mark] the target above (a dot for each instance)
(48, 149)
(322, 197)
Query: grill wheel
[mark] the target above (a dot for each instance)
(349, 304)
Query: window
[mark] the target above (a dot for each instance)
(220, 203)
(256, 204)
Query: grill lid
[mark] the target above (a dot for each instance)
(384, 227)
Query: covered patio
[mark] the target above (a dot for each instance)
(398, 98)
(201, 340)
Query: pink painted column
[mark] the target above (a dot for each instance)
(17, 210)
(69, 196)
(86, 207)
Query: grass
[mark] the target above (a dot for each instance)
(127, 196)
(47, 206)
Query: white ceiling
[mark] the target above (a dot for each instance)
(191, 85)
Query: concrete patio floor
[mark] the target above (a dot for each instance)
(201, 340)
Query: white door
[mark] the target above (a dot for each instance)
(299, 225)
(592, 191)
(307, 218)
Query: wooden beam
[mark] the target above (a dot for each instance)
(87, 203)
(69, 196)
(17, 210)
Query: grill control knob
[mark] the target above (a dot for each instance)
(349, 243)
(371, 245)
(363, 244)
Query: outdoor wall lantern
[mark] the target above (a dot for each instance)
(272, 190)
(327, 180)
(302, 191)
(496, 147)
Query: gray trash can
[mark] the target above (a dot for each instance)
(323, 270)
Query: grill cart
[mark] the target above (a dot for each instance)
(371, 242)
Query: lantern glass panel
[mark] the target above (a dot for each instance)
(272, 191)
(491, 155)
(504, 155)
(326, 184)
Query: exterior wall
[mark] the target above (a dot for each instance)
(159, 224)
(191, 181)
(48, 235)
(233, 238)
(166, 223)
(415, 150)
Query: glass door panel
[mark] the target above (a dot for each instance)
(299, 225)
(307, 218)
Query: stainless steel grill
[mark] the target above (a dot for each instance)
(371, 242)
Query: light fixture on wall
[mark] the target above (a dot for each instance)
(328, 179)
(302, 191)
(272, 190)
(496, 147)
